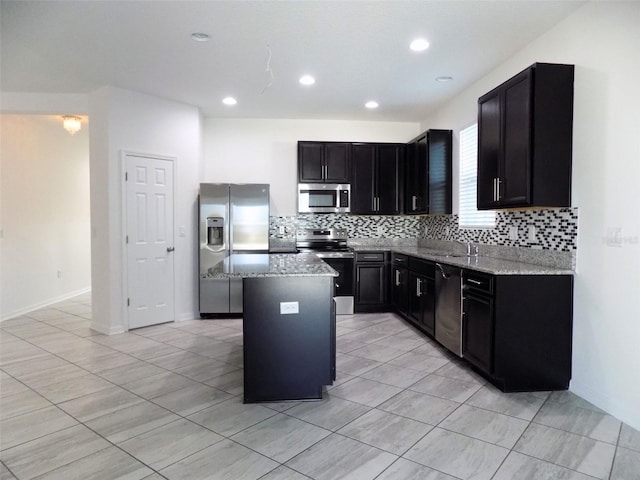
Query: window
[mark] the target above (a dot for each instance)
(470, 217)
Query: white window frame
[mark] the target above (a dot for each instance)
(468, 214)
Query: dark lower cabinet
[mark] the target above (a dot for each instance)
(288, 356)
(477, 331)
(400, 283)
(517, 329)
(421, 292)
(371, 292)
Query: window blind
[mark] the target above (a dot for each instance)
(470, 216)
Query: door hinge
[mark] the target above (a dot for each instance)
(126, 239)
(126, 176)
(128, 302)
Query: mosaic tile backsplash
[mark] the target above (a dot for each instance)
(555, 229)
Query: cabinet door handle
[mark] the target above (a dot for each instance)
(418, 287)
(498, 182)
(475, 282)
(397, 278)
(414, 202)
(494, 189)
(370, 257)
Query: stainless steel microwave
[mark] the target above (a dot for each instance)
(324, 198)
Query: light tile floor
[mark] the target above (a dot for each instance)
(166, 402)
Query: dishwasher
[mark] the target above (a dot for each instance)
(449, 308)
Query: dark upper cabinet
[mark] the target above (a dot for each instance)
(429, 173)
(324, 162)
(377, 178)
(525, 139)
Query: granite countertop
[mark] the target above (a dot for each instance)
(492, 265)
(270, 265)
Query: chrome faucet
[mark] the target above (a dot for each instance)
(469, 246)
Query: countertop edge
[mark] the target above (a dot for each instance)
(491, 265)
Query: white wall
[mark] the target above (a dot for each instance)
(602, 39)
(128, 121)
(44, 212)
(265, 151)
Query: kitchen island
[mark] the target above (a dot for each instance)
(288, 324)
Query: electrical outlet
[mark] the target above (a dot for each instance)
(182, 231)
(513, 233)
(446, 230)
(281, 230)
(531, 234)
(380, 230)
(288, 308)
(426, 229)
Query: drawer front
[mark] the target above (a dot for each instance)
(400, 260)
(478, 282)
(370, 257)
(423, 267)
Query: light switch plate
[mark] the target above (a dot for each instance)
(513, 233)
(288, 308)
(531, 234)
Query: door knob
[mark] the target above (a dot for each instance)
(170, 249)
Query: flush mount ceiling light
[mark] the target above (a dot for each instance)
(229, 101)
(71, 124)
(200, 37)
(307, 80)
(371, 104)
(419, 45)
(444, 79)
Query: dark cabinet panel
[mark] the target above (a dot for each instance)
(477, 331)
(440, 171)
(390, 170)
(363, 186)
(337, 162)
(372, 282)
(422, 301)
(428, 182)
(488, 149)
(324, 162)
(400, 290)
(525, 139)
(310, 162)
(377, 175)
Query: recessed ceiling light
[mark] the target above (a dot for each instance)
(444, 79)
(307, 80)
(371, 104)
(419, 45)
(200, 37)
(229, 101)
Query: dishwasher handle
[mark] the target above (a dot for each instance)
(444, 274)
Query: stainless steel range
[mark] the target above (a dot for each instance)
(331, 245)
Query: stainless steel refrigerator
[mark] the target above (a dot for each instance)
(233, 220)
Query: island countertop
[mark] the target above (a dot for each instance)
(270, 265)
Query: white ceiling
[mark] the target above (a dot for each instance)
(357, 50)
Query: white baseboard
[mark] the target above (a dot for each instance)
(45, 303)
(183, 317)
(628, 413)
(106, 331)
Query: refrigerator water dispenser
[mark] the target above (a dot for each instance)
(215, 230)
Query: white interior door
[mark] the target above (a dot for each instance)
(149, 241)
